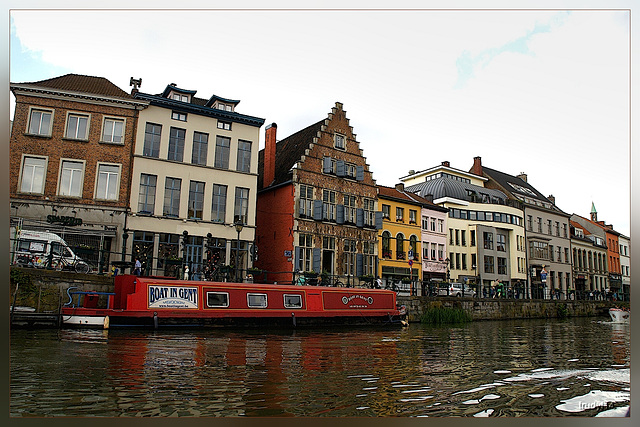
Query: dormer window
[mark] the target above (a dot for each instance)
(224, 107)
(180, 97)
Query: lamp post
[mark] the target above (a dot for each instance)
(239, 226)
(447, 261)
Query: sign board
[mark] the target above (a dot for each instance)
(161, 296)
(410, 254)
(287, 254)
(410, 262)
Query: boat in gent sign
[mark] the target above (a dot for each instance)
(156, 302)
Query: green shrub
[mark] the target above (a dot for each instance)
(441, 315)
(562, 311)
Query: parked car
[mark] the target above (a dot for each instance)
(455, 290)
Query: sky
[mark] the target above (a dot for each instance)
(544, 92)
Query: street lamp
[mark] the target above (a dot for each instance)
(447, 261)
(239, 226)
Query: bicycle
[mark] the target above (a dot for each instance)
(62, 263)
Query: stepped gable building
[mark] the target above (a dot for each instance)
(70, 161)
(194, 180)
(611, 240)
(589, 261)
(485, 229)
(546, 229)
(317, 204)
(412, 240)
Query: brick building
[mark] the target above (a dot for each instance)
(70, 160)
(317, 204)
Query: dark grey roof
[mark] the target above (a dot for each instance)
(514, 185)
(448, 187)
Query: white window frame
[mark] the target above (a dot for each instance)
(117, 184)
(224, 125)
(284, 300)
(340, 142)
(61, 172)
(179, 97)
(264, 303)
(79, 115)
(226, 294)
(22, 174)
(104, 128)
(40, 110)
(176, 115)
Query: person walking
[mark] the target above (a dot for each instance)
(137, 267)
(186, 272)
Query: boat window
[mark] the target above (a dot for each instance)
(293, 301)
(217, 299)
(257, 300)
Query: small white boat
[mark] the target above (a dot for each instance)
(619, 315)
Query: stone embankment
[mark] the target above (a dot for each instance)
(503, 309)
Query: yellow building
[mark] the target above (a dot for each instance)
(399, 240)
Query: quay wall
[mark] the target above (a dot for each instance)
(504, 309)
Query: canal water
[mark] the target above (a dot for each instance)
(534, 368)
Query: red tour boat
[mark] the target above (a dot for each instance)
(156, 302)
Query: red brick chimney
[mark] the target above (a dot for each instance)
(477, 166)
(269, 155)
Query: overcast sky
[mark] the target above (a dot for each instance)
(541, 92)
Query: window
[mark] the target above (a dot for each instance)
(529, 222)
(539, 250)
(305, 241)
(328, 205)
(71, 177)
(242, 204)
(369, 257)
(349, 257)
(549, 226)
(488, 240)
(77, 126)
(441, 226)
(217, 299)
(176, 144)
(539, 225)
(179, 97)
(501, 243)
(113, 131)
(440, 252)
(386, 211)
(292, 301)
(369, 212)
(219, 203)
(472, 235)
(223, 107)
(172, 197)
(433, 225)
(40, 122)
(457, 237)
(108, 182)
(488, 264)
(386, 244)
(178, 116)
(244, 156)
(199, 151)
(349, 209)
(196, 199)
(147, 194)
(223, 146)
(425, 223)
(413, 216)
(558, 229)
(305, 205)
(502, 265)
(257, 300)
(33, 173)
(400, 214)
(339, 141)
(400, 254)
(152, 135)
(224, 125)
(463, 237)
(457, 261)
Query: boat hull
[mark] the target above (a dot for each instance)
(619, 316)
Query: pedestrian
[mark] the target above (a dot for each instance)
(378, 283)
(484, 292)
(137, 267)
(186, 272)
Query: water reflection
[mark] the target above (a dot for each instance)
(484, 369)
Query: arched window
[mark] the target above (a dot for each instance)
(386, 244)
(400, 254)
(413, 245)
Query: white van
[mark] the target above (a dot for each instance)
(37, 248)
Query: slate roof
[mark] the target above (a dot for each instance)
(448, 187)
(504, 179)
(394, 193)
(288, 153)
(79, 83)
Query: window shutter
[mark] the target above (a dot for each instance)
(317, 210)
(326, 164)
(340, 214)
(340, 169)
(359, 217)
(360, 173)
(378, 220)
(316, 259)
(359, 264)
(296, 252)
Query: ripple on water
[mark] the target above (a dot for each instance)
(593, 400)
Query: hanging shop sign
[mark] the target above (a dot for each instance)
(68, 221)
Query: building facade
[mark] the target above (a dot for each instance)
(194, 177)
(589, 259)
(486, 243)
(317, 205)
(546, 231)
(70, 161)
(625, 265)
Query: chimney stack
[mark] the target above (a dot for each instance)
(400, 187)
(446, 163)
(477, 166)
(552, 199)
(269, 155)
(522, 176)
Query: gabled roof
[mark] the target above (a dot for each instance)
(78, 83)
(288, 152)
